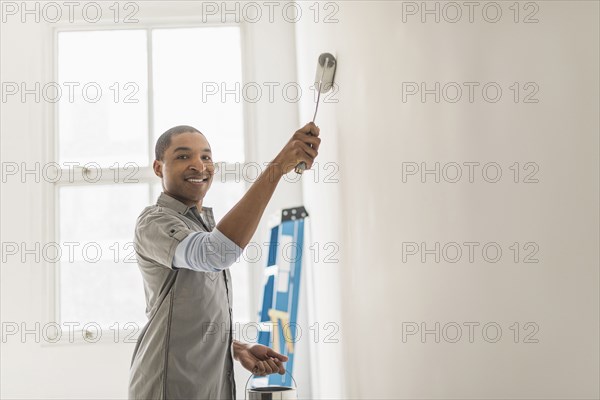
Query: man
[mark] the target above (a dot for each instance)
(186, 349)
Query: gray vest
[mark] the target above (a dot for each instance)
(184, 350)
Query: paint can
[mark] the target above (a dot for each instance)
(272, 392)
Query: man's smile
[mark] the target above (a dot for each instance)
(197, 180)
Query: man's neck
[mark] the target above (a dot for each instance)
(187, 203)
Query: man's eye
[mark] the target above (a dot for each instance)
(207, 158)
(182, 156)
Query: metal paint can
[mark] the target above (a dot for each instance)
(272, 392)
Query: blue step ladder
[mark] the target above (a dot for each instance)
(279, 310)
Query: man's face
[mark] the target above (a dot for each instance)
(187, 168)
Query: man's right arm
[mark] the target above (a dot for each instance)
(240, 223)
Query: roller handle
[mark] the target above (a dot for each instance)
(300, 168)
(302, 165)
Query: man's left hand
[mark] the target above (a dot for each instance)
(260, 360)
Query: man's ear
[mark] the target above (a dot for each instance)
(157, 166)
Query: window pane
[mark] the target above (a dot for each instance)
(99, 278)
(110, 67)
(222, 196)
(186, 62)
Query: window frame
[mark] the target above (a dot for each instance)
(145, 175)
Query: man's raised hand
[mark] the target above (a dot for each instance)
(302, 147)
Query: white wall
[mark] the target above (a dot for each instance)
(371, 132)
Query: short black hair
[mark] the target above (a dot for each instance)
(164, 141)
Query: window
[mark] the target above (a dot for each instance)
(126, 88)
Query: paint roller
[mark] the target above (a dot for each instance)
(323, 83)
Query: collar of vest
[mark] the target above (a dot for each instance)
(164, 200)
